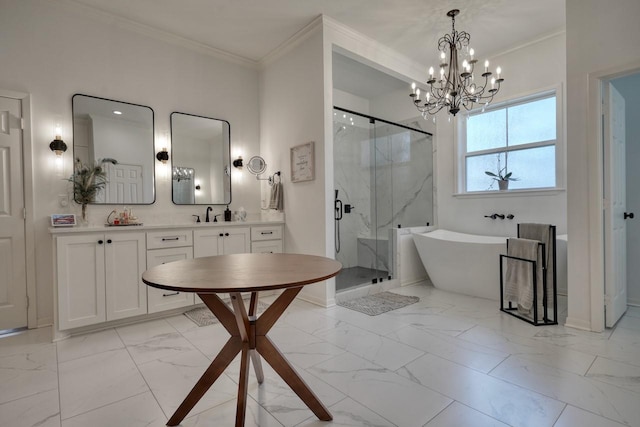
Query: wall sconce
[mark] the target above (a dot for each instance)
(57, 145)
(163, 156)
(238, 162)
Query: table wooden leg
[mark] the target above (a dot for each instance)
(217, 367)
(279, 364)
(241, 407)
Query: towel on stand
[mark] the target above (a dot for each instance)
(277, 198)
(519, 275)
(542, 233)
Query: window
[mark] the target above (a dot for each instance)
(519, 138)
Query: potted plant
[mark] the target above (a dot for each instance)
(502, 176)
(87, 181)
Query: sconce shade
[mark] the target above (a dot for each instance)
(238, 162)
(163, 155)
(58, 146)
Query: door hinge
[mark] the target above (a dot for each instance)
(27, 301)
(21, 123)
(24, 213)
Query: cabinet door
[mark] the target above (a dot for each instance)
(160, 299)
(208, 242)
(81, 280)
(125, 261)
(267, 246)
(237, 240)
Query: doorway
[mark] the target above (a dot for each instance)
(13, 248)
(621, 150)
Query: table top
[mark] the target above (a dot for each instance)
(241, 273)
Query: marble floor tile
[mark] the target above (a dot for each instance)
(372, 347)
(309, 322)
(181, 323)
(30, 372)
(25, 341)
(457, 350)
(301, 348)
(139, 333)
(37, 410)
(172, 378)
(378, 324)
(633, 311)
(208, 339)
(441, 323)
(457, 415)
(616, 373)
(399, 400)
(600, 398)
(528, 348)
(136, 411)
(158, 341)
(629, 321)
(225, 415)
(494, 397)
(278, 398)
(348, 413)
(88, 344)
(93, 381)
(576, 417)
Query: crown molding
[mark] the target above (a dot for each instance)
(158, 34)
(300, 36)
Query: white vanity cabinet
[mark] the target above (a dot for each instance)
(221, 241)
(99, 277)
(164, 247)
(266, 239)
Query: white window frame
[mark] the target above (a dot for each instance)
(461, 145)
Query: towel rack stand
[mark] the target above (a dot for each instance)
(549, 315)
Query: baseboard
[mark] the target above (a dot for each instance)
(578, 324)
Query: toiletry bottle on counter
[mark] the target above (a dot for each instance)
(227, 214)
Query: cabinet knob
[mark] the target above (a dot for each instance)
(100, 242)
(226, 234)
(109, 241)
(220, 234)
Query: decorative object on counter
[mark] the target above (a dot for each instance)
(88, 181)
(374, 305)
(241, 214)
(501, 176)
(227, 214)
(456, 85)
(123, 218)
(63, 220)
(57, 145)
(303, 162)
(163, 156)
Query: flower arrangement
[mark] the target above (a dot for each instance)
(88, 180)
(501, 175)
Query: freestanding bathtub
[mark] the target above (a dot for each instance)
(463, 263)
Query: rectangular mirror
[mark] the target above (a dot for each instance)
(108, 129)
(201, 160)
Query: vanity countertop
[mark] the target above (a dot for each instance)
(145, 227)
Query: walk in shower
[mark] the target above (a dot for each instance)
(383, 177)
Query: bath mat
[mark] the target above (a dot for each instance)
(379, 303)
(202, 316)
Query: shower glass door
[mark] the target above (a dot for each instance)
(383, 179)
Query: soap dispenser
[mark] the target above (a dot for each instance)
(227, 214)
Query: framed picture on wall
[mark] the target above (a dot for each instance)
(302, 162)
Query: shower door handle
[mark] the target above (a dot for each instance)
(338, 213)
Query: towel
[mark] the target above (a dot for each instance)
(277, 198)
(518, 282)
(542, 233)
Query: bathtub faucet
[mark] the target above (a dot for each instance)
(501, 216)
(492, 216)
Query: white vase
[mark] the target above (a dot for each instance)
(503, 184)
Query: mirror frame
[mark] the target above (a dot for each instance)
(226, 166)
(151, 154)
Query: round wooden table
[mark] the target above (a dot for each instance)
(233, 274)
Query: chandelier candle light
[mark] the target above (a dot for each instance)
(455, 87)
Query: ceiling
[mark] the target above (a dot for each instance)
(251, 29)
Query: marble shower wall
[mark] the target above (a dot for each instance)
(386, 172)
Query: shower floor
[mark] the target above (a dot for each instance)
(356, 276)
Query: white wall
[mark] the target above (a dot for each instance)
(629, 87)
(292, 104)
(53, 50)
(529, 69)
(601, 37)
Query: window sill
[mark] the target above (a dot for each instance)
(510, 193)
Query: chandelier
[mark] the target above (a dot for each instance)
(456, 85)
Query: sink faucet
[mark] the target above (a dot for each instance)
(206, 218)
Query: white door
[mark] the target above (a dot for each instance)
(615, 206)
(13, 280)
(124, 183)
